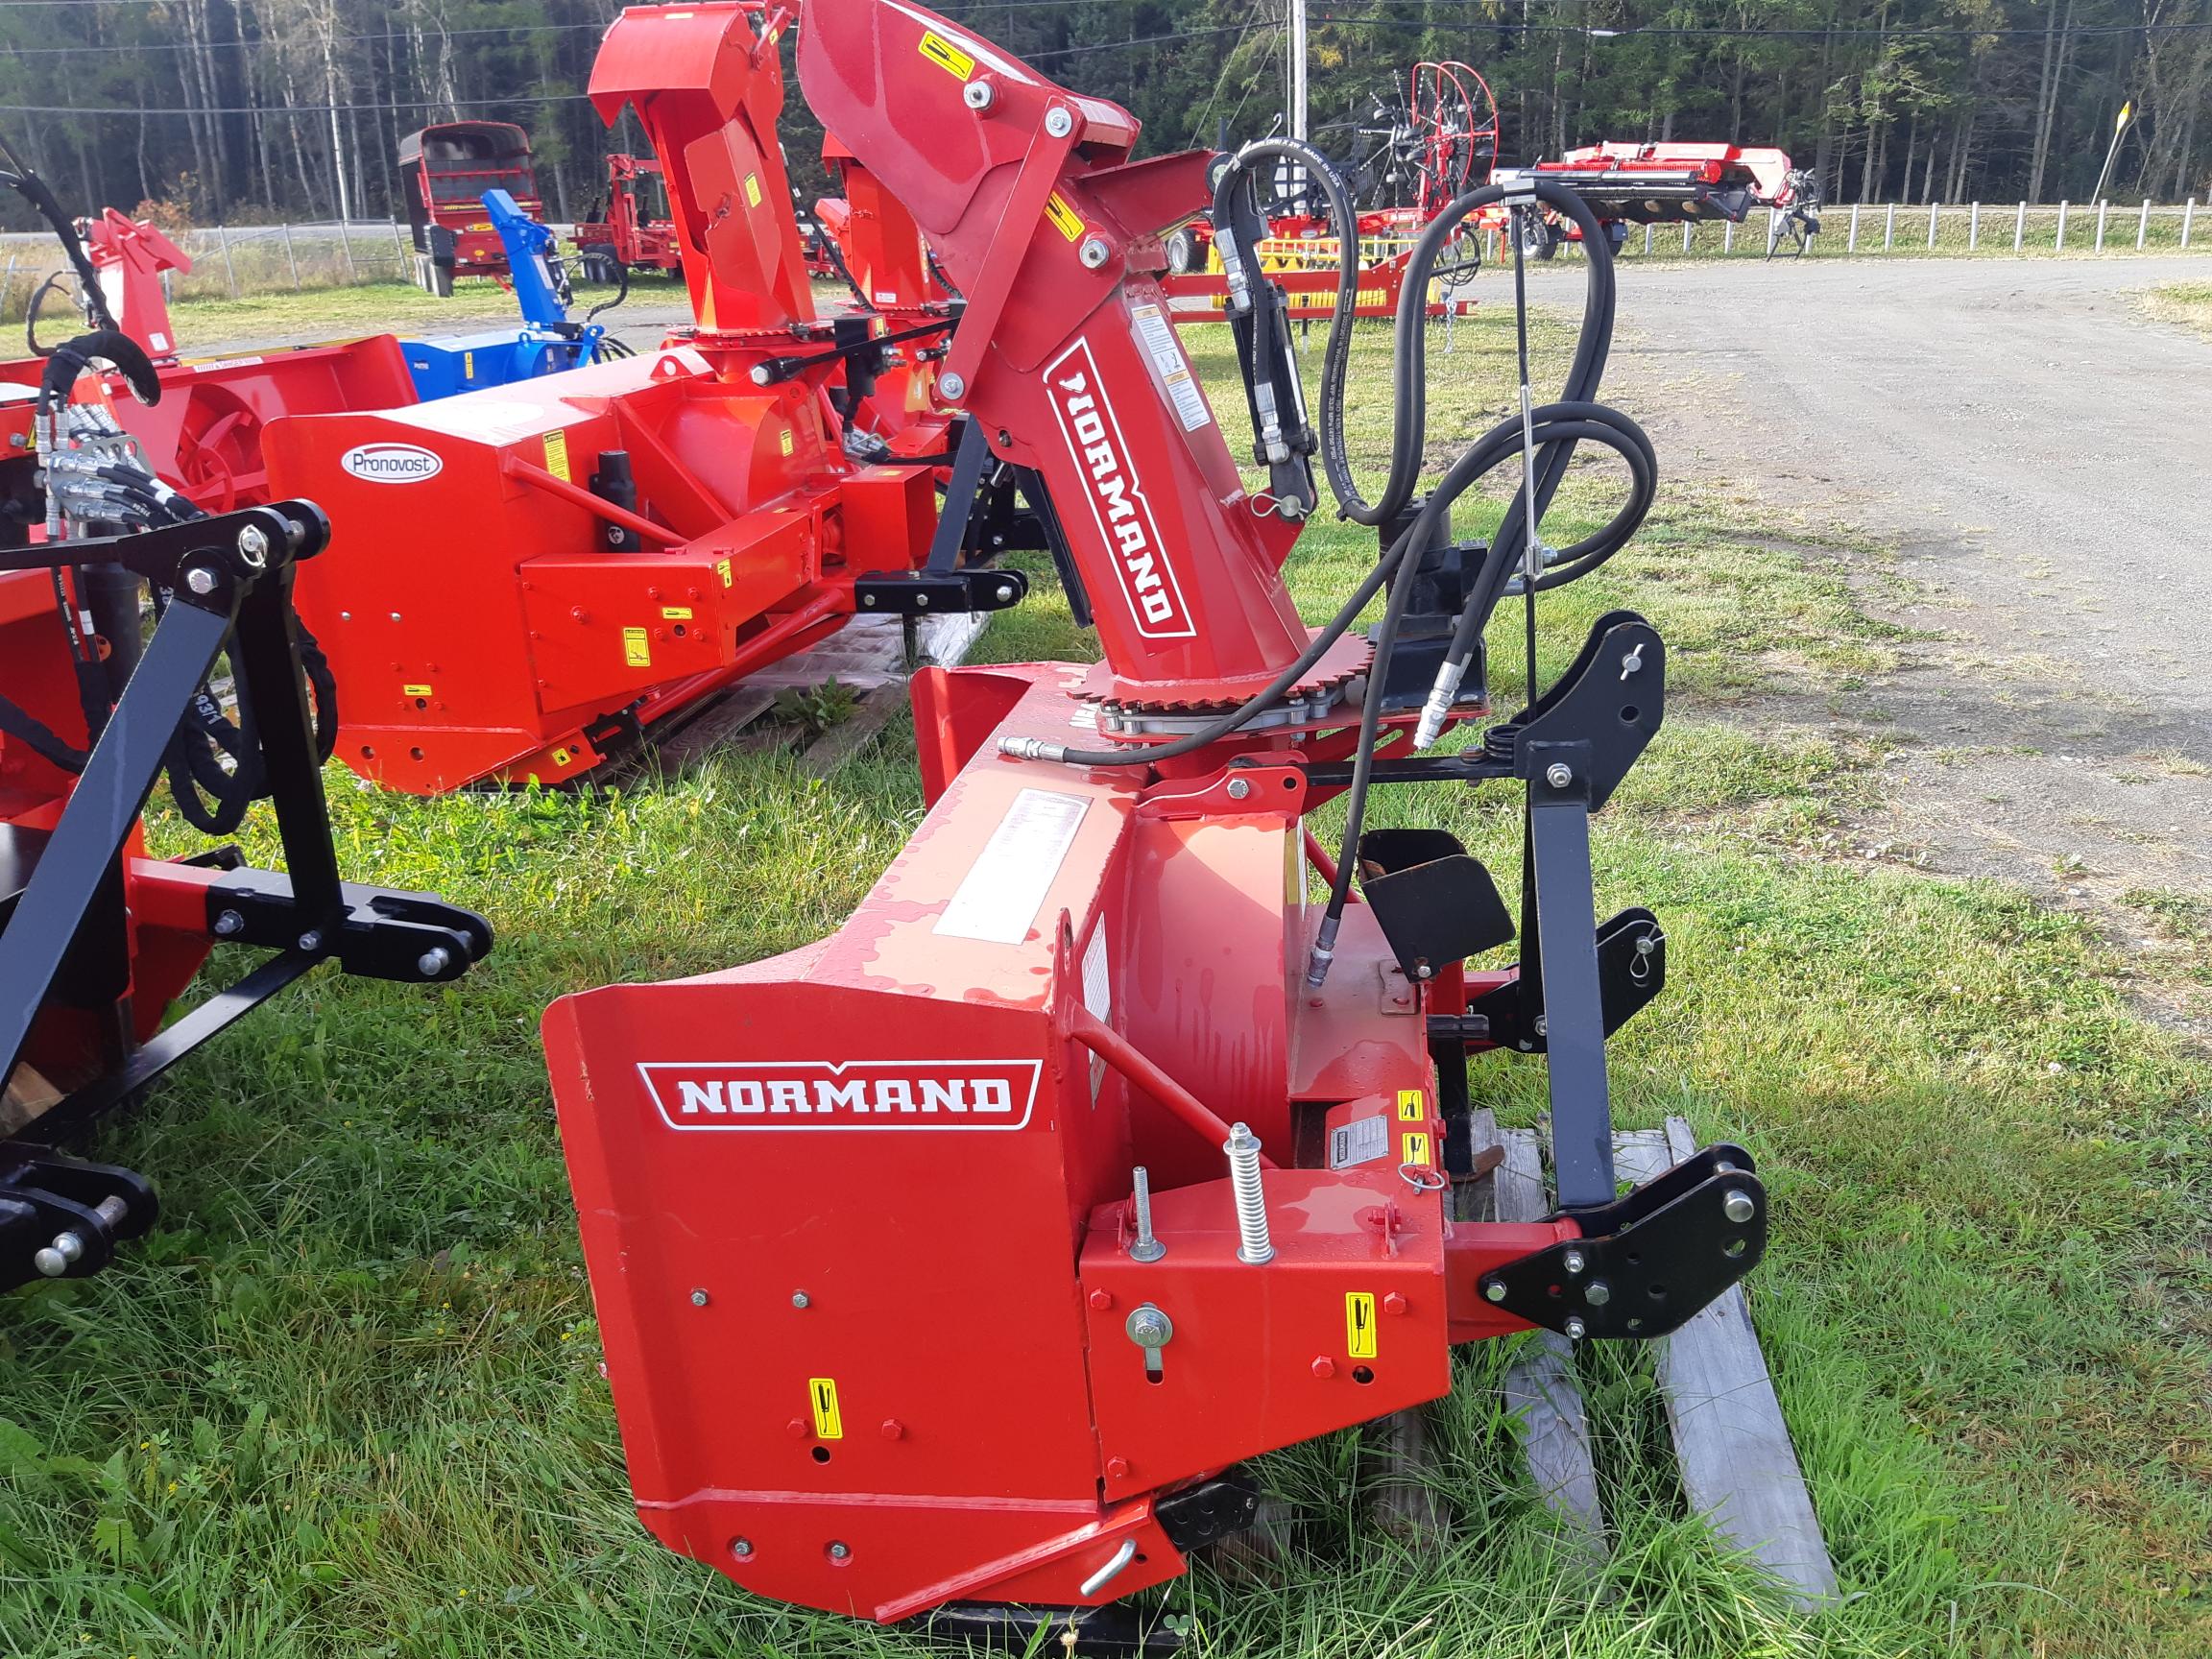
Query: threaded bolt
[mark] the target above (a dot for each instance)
(1145, 1247)
(1253, 1246)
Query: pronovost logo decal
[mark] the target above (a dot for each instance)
(847, 1094)
(391, 462)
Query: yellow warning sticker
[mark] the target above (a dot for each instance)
(1064, 218)
(637, 648)
(675, 613)
(1415, 1148)
(946, 56)
(414, 690)
(1413, 1106)
(467, 365)
(1360, 1323)
(783, 441)
(561, 756)
(557, 455)
(752, 189)
(722, 569)
(822, 1396)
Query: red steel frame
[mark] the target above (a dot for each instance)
(639, 243)
(855, 1217)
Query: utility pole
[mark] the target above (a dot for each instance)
(2112, 153)
(1297, 110)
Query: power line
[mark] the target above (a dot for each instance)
(1506, 26)
(135, 112)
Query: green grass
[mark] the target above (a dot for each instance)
(373, 309)
(2188, 303)
(345, 1400)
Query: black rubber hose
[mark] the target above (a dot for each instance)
(73, 358)
(1220, 728)
(1336, 461)
(33, 189)
(1561, 424)
(621, 291)
(1552, 461)
(30, 313)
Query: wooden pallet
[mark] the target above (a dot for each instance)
(1738, 1466)
(868, 655)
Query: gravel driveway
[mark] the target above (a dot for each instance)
(2038, 453)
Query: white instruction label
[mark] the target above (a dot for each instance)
(1098, 995)
(1158, 337)
(998, 898)
(1360, 1141)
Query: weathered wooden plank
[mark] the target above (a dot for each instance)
(1738, 1465)
(868, 656)
(1404, 1503)
(714, 727)
(837, 745)
(1540, 1386)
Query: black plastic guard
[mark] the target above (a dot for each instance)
(1647, 1261)
(1115, 1629)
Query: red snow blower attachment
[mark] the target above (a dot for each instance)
(950, 1267)
(528, 580)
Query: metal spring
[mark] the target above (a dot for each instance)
(1253, 1244)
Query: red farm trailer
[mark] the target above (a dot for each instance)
(445, 170)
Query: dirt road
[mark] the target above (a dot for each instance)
(2039, 456)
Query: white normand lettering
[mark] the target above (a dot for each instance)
(1116, 495)
(842, 1095)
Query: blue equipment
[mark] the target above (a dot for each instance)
(546, 342)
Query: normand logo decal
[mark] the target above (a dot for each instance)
(855, 1095)
(391, 462)
(1117, 495)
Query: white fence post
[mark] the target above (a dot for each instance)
(1649, 228)
(1933, 210)
(1686, 228)
(1852, 246)
(230, 270)
(2020, 227)
(346, 241)
(1973, 227)
(291, 258)
(1889, 226)
(2059, 246)
(1728, 237)
(2102, 208)
(2188, 214)
(2143, 225)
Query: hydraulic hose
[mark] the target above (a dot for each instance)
(1550, 433)
(34, 189)
(102, 344)
(1592, 347)
(1554, 423)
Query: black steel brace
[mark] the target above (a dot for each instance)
(1648, 1260)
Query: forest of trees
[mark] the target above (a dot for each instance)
(237, 110)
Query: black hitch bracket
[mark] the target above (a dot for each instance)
(1648, 1261)
(934, 593)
